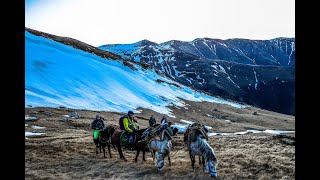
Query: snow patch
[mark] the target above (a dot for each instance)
(33, 134)
(38, 127)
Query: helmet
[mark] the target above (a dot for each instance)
(130, 113)
(98, 116)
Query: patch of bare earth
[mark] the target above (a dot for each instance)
(67, 150)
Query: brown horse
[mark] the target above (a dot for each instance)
(104, 140)
(138, 145)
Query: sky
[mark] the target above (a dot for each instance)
(52, 79)
(99, 22)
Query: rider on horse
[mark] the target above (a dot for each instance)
(130, 127)
(97, 125)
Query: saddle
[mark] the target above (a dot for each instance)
(157, 131)
(193, 131)
(127, 138)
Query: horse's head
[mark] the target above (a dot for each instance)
(111, 130)
(211, 164)
(211, 167)
(107, 132)
(160, 161)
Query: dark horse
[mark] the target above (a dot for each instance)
(138, 145)
(103, 140)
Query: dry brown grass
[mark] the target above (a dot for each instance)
(67, 151)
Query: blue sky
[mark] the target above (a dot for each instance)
(99, 22)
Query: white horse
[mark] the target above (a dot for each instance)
(200, 147)
(160, 148)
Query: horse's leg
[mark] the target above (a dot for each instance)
(138, 151)
(109, 150)
(192, 157)
(143, 155)
(199, 160)
(99, 147)
(120, 152)
(104, 151)
(203, 162)
(153, 154)
(169, 159)
(193, 161)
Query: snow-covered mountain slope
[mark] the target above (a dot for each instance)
(256, 72)
(60, 75)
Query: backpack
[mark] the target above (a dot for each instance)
(121, 122)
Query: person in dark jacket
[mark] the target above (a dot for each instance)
(97, 125)
(152, 121)
(164, 120)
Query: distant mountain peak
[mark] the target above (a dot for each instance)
(231, 68)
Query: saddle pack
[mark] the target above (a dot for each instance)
(121, 121)
(193, 131)
(127, 138)
(96, 134)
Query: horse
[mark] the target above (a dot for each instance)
(198, 145)
(138, 145)
(160, 148)
(103, 140)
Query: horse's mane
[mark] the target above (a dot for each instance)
(164, 133)
(206, 149)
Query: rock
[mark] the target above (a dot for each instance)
(29, 118)
(254, 113)
(74, 115)
(48, 113)
(65, 120)
(289, 140)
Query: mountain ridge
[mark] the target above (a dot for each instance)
(179, 60)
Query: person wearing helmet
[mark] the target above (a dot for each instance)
(130, 127)
(97, 125)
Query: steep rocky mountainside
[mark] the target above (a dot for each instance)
(257, 72)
